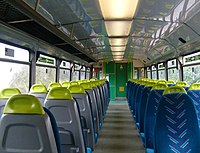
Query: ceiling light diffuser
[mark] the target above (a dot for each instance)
(118, 41)
(118, 28)
(120, 48)
(118, 9)
(117, 53)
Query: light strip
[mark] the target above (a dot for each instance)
(118, 9)
(117, 53)
(118, 41)
(121, 48)
(118, 28)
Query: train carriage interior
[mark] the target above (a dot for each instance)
(99, 76)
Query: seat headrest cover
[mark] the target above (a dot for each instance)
(93, 79)
(66, 84)
(86, 86)
(73, 83)
(23, 104)
(159, 86)
(9, 92)
(150, 84)
(60, 93)
(162, 81)
(174, 89)
(54, 85)
(195, 86)
(93, 84)
(76, 89)
(170, 82)
(38, 88)
(181, 83)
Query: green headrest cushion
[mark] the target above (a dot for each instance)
(59, 93)
(162, 81)
(150, 84)
(23, 104)
(66, 84)
(195, 86)
(54, 85)
(159, 86)
(181, 83)
(86, 86)
(73, 83)
(174, 89)
(38, 88)
(170, 82)
(9, 92)
(76, 89)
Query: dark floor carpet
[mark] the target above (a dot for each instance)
(119, 134)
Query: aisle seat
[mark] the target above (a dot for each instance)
(182, 84)
(39, 91)
(65, 84)
(176, 128)
(5, 94)
(66, 112)
(150, 115)
(194, 93)
(82, 99)
(25, 127)
(170, 83)
(53, 85)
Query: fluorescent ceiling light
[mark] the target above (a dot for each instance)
(121, 48)
(118, 28)
(118, 41)
(117, 53)
(118, 9)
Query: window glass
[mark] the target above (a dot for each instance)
(142, 73)
(154, 75)
(64, 75)
(173, 74)
(149, 74)
(191, 74)
(46, 60)
(14, 75)
(14, 53)
(88, 75)
(161, 74)
(171, 63)
(135, 74)
(82, 75)
(65, 64)
(45, 75)
(75, 75)
(191, 59)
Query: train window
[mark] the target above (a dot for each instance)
(135, 75)
(65, 64)
(88, 73)
(191, 74)
(171, 63)
(14, 53)
(191, 59)
(14, 75)
(148, 72)
(142, 73)
(173, 74)
(45, 70)
(154, 73)
(83, 73)
(64, 75)
(75, 75)
(161, 71)
(45, 75)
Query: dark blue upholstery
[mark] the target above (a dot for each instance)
(150, 118)
(195, 95)
(142, 108)
(176, 129)
(55, 130)
(133, 98)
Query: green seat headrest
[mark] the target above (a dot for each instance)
(23, 104)
(162, 81)
(86, 86)
(66, 84)
(73, 83)
(54, 85)
(181, 83)
(194, 86)
(174, 89)
(159, 86)
(93, 84)
(170, 82)
(38, 88)
(76, 89)
(9, 92)
(59, 93)
(150, 84)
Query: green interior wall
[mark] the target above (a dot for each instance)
(110, 70)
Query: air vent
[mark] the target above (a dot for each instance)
(182, 40)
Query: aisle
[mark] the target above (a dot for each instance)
(119, 134)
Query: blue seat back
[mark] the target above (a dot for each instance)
(176, 128)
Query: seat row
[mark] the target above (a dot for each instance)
(62, 119)
(166, 114)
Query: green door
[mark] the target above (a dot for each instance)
(121, 79)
